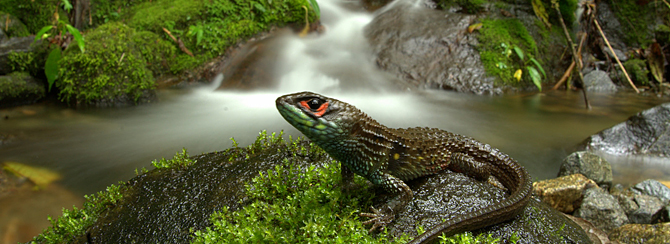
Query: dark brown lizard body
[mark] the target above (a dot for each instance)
(389, 157)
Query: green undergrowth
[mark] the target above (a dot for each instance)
(73, 223)
(35, 14)
(499, 40)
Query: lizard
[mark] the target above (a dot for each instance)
(389, 157)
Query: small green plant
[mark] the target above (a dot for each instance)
(533, 73)
(179, 160)
(468, 238)
(58, 34)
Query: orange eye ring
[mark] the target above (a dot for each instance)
(319, 111)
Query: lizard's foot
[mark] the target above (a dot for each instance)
(378, 219)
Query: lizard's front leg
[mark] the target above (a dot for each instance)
(386, 214)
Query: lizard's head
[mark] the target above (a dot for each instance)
(318, 117)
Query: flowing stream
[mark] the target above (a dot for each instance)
(97, 147)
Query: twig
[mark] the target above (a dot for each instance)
(565, 76)
(179, 42)
(121, 59)
(169, 34)
(575, 56)
(305, 30)
(615, 57)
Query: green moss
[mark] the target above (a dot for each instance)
(497, 39)
(111, 68)
(637, 69)
(294, 205)
(180, 160)
(73, 223)
(12, 26)
(105, 11)
(637, 20)
(158, 53)
(35, 14)
(155, 15)
(14, 86)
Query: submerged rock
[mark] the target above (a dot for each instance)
(647, 132)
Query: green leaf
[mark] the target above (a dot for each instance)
(66, 5)
(539, 66)
(315, 6)
(541, 12)
(535, 77)
(518, 52)
(77, 36)
(51, 66)
(43, 31)
(259, 7)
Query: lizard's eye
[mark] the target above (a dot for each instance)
(316, 105)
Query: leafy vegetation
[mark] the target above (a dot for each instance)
(499, 39)
(180, 160)
(637, 20)
(35, 14)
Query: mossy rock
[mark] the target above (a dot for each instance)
(638, 21)
(278, 191)
(12, 26)
(637, 70)
(155, 15)
(35, 14)
(111, 72)
(19, 88)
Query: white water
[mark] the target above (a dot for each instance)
(94, 148)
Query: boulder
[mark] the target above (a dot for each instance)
(599, 81)
(652, 188)
(590, 165)
(7, 46)
(20, 88)
(602, 210)
(647, 132)
(648, 206)
(429, 49)
(563, 193)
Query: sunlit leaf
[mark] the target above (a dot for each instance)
(66, 5)
(656, 60)
(40, 176)
(501, 65)
(518, 74)
(474, 27)
(51, 66)
(535, 77)
(42, 32)
(77, 36)
(539, 66)
(518, 52)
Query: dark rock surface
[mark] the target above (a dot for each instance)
(429, 49)
(602, 210)
(648, 206)
(19, 89)
(164, 205)
(590, 165)
(647, 132)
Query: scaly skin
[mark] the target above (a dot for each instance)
(389, 157)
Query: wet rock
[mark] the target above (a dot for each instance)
(599, 81)
(602, 210)
(627, 202)
(20, 89)
(647, 132)
(172, 203)
(590, 165)
(661, 216)
(16, 44)
(648, 206)
(429, 49)
(563, 193)
(619, 54)
(612, 28)
(652, 188)
(642, 233)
